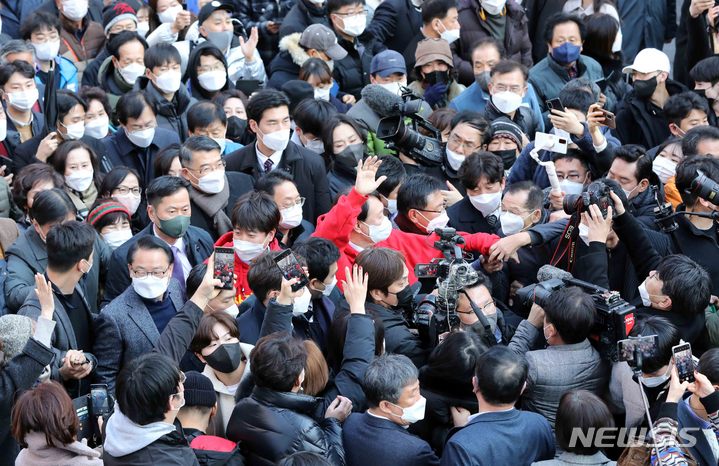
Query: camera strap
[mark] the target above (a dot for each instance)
(482, 320)
(568, 240)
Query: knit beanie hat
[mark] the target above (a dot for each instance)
(199, 390)
(15, 331)
(106, 207)
(115, 13)
(503, 127)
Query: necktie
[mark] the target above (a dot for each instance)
(177, 272)
(268, 165)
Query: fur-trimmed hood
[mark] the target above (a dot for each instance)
(291, 45)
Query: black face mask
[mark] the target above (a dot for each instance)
(482, 80)
(350, 156)
(405, 298)
(236, 128)
(436, 77)
(508, 157)
(701, 93)
(226, 358)
(645, 89)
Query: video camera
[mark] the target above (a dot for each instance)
(614, 317)
(409, 141)
(701, 186)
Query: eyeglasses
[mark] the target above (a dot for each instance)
(124, 190)
(207, 69)
(300, 202)
(207, 169)
(505, 88)
(144, 274)
(457, 141)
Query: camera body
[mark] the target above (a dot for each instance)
(597, 193)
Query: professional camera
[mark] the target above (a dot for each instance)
(614, 317)
(392, 130)
(597, 193)
(706, 188)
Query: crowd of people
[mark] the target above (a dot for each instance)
(353, 232)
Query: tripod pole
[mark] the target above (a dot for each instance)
(638, 372)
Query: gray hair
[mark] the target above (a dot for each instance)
(196, 144)
(386, 377)
(584, 84)
(15, 46)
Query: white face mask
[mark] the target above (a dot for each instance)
(511, 223)
(291, 216)
(395, 87)
(454, 159)
(571, 187)
(644, 294)
(322, 93)
(392, 206)
(486, 203)
(379, 233)
(301, 303)
(315, 146)
(143, 27)
(584, 233)
(450, 35)
(439, 221)
(131, 72)
(129, 200)
(213, 182)
(3, 128)
(212, 80)
(233, 310)
(23, 100)
(150, 287)
(493, 7)
(169, 82)
(664, 168)
(74, 10)
(247, 250)
(98, 128)
(277, 140)
(47, 50)
(414, 413)
(74, 131)
(222, 142)
(79, 180)
(354, 25)
(329, 287)
(169, 15)
(506, 101)
(117, 238)
(653, 382)
(142, 138)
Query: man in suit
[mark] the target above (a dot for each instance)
(482, 175)
(132, 323)
(69, 258)
(213, 192)
(170, 210)
(395, 23)
(499, 433)
(379, 436)
(269, 118)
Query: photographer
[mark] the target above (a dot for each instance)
(632, 169)
(570, 362)
(479, 293)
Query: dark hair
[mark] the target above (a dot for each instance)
(270, 181)
(687, 170)
(18, 66)
(480, 164)
(572, 312)
(386, 377)
(194, 278)
(277, 360)
(451, 365)
(577, 98)
(196, 144)
(131, 105)
(709, 365)
(265, 100)
(68, 243)
(28, 176)
(338, 335)
(383, 267)
(535, 196)
(144, 387)
(311, 115)
(679, 106)
(38, 21)
(224, 96)
(46, 409)
(205, 49)
(509, 66)
(415, 190)
(205, 332)
(256, 211)
(66, 101)
(572, 154)
(667, 337)
(59, 159)
(304, 458)
(601, 32)
(107, 219)
(436, 9)
(706, 70)
(164, 158)
(489, 41)
(160, 55)
(442, 118)
(264, 275)
(687, 284)
(320, 254)
(88, 94)
(501, 374)
(315, 67)
(562, 18)
(580, 410)
(328, 133)
(634, 153)
(473, 119)
(334, 5)
(393, 168)
(51, 206)
(697, 135)
(164, 186)
(203, 114)
(113, 179)
(122, 38)
(149, 243)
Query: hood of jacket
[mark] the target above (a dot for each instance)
(217, 384)
(297, 402)
(106, 77)
(291, 45)
(161, 105)
(124, 436)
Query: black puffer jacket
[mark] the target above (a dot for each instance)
(271, 425)
(352, 72)
(172, 114)
(397, 335)
(304, 13)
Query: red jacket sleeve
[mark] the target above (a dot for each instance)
(479, 242)
(337, 224)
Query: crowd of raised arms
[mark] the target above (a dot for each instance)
(359, 232)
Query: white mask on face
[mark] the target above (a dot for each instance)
(74, 131)
(664, 168)
(654, 382)
(131, 72)
(414, 413)
(315, 146)
(506, 101)
(169, 81)
(142, 138)
(329, 287)
(233, 310)
(98, 128)
(3, 128)
(117, 238)
(150, 287)
(454, 159)
(511, 223)
(322, 93)
(79, 180)
(129, 200)
(395, 87)
(247, 250)
(213, 182)
(493, 7)
(301, 303)
(354, 25)
(169, 15)
(439, 221)
(47, 50)
(277, 140)
(392, 206)
(222, 142)
(291, 216)
(571, 187)
(23, 100)
(486, 204)
(450, 35)
(644, 294)
(74, 10)
(212, 80)
(143, 27)
(379, 233)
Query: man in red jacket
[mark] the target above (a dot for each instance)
(358, 221)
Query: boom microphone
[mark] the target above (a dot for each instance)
(381, 101)
(549, 272)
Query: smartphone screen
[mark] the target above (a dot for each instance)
(642, 347)
(684, 362)
(100, 403)
(555, 104)
(287, 262)
(224, 267)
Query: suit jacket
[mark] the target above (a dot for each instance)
(198, 247)
(125, 330)
(381, 442)
(464, 217)
(306, 167)
(239, 184)
(394, 24)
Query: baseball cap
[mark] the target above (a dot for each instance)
(429, 50)
(388, 63)
(213, 6)
(320, 37)
(649, 60)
